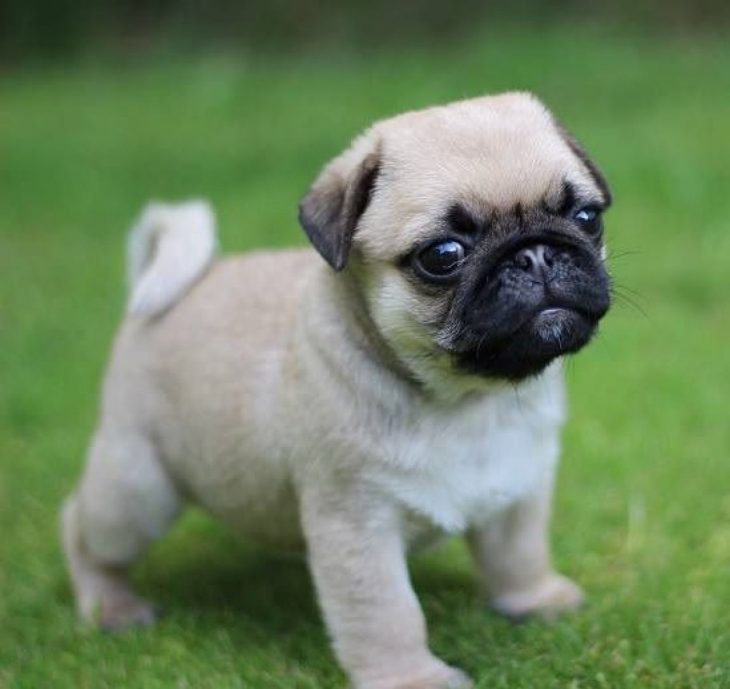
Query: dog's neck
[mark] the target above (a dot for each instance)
(426, 379)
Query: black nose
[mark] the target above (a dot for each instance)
(534, 259)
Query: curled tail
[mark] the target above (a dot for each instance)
(168, 250)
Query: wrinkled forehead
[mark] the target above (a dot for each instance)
(489, 153)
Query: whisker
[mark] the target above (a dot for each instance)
(626, 300)
(627, 289)
(622, 254)
(480, 343)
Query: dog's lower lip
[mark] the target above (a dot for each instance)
(552, 311)
(558, 311)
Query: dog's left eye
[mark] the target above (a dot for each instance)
(441, 260)
(590, 220)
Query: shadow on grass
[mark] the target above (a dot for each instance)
(209, 570)
(212, 576)
(204, 568)
(210, 585)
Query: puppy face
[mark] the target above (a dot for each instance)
(474, 233)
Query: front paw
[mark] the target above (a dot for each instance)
(547, 600)
(440, 676)
(125, 611)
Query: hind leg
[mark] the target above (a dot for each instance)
(124, 502)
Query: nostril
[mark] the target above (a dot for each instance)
(534, 259)
(525, 260)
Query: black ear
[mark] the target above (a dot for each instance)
(577, 148)
(330, 211)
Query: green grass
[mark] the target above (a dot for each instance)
(643, 507)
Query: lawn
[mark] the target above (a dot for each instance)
(643, 507)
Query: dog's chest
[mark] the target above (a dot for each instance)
(453, 471)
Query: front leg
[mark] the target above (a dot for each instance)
(512, 554)
(357, 558)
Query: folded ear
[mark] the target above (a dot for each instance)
(329, 213)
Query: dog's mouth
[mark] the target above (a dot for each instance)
(544, 334)
(559, 326)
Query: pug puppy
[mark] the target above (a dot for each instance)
(406, 387)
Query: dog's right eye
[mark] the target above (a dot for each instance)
(440, 261)
(589, 219)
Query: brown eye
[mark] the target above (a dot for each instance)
(441, 260)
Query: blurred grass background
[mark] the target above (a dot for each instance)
(100, 121)
(63, 28)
